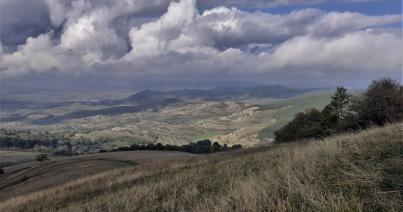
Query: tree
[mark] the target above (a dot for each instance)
(316, 124)
(42, 157)
(304, 125)
(334, 114)
(236, 147)
(216, 147)
(381, 103)
(329, 120)
(203, 146)
(339, 104)
(159, 146)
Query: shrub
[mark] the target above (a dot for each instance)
(42, 157)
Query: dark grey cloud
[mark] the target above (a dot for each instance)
(254, 3)
(124, 38)
(261, 4)
(20, 19)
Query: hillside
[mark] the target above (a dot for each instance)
(354, 172)
(89, 128)
(24, 175)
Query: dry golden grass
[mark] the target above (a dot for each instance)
(28, 177)
(361, 172)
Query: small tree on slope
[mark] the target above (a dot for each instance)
(42, 157)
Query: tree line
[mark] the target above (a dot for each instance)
(379, 104)
(62, 144)
(200, 147)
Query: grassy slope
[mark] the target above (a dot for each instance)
(9, 158)
(361, 172)
(27, 177)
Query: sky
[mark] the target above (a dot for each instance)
(305, 43)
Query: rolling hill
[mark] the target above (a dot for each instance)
(152, 99)
(351, 172)
(246, 116)
(220, 94)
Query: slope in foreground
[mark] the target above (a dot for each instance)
(360, 172)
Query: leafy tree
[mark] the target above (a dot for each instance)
(329, 120)
(159, 146)
(236, 146)
(216, 147)
(199, 147)
(381, 103)
(304, 125)
(350, 123)
(150, 146)
(42, 157)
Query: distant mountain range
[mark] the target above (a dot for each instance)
(215, 94)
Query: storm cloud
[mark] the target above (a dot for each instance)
(175, 38)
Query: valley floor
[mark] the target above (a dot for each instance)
(358, 172)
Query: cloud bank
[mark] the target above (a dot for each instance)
(164, 38)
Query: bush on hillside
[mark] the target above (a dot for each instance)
(41, 158)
